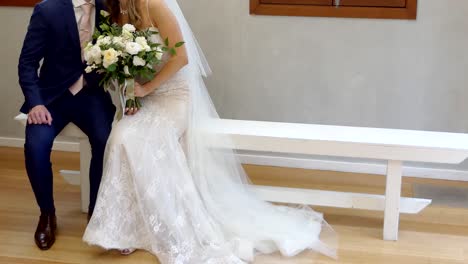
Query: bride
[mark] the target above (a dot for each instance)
(166, 188)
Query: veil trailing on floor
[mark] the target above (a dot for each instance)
(242, 220)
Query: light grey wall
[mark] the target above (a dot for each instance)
(379, 73)
(14, 21)
(382, 73)
(359, 72)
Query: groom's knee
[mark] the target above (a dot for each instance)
(39, 140)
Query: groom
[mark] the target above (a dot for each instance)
(60, 94)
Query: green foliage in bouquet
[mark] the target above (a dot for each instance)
(122, 54)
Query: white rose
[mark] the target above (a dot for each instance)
(110, 57)
(126, 70)
(159, 53)
(118, 41)
(92, 54)
(153, 38)
(127, 36)
(104, 40)
(133, 48)
(90, 68)
(88, 46)
(147, 47)
(137, 61)
(129, 28)
(104, 13)
(143, 42)
(107, 40)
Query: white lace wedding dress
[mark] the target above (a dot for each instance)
(152, 196)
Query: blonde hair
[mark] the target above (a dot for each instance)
(133, 11)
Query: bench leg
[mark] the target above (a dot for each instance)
(85, 161)
(392, 200)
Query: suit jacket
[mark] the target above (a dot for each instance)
(53, 38)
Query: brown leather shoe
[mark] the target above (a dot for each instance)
(45, 232)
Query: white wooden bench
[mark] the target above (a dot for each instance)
(392, 145)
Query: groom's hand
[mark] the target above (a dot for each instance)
(39, 115)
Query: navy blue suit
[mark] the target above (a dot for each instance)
(53, 38)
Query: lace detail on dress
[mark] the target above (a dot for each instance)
(148, 198)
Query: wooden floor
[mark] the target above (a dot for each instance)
(438, 235)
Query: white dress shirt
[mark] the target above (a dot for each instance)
(76, 87)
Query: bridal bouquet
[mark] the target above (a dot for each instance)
(121, 54)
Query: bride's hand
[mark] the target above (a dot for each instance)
(140, 90)
(131, 111)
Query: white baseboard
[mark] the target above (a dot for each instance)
(288, 162)
(58, 145)
(11, 142)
